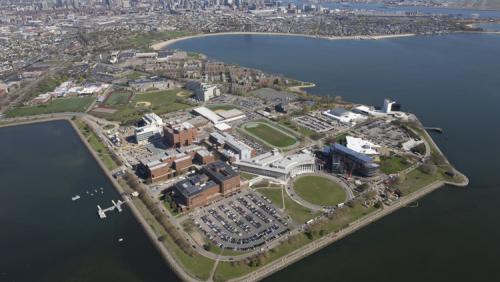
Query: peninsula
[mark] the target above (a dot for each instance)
(240, 173)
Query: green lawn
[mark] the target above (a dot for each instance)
(159, 102)
(118, 98)
(270, 135)
(416, 180)
(73, 104)
(97, 145)
(319, 190)
(247, 176)
(297, 212)
(393, 164)
(134, 75)
(227, 270)
(197, 265)
(345, 216)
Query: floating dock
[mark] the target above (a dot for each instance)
(116, 205)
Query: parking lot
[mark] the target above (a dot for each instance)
(318, 123)
(382, 133)
(243, 221)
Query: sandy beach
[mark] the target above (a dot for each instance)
(164, 44)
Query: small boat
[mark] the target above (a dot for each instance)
(91, 194)
(75, 198)
(120, 240)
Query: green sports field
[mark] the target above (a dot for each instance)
(269, 134)
(319, 190)
(118, 98)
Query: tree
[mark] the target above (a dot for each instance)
(428, 168)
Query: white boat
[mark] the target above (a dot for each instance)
(120, 240)
(75, 198)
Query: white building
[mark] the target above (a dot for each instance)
(220, 116)
(276, 165)
(362, 146)
(242, 150)
(388, 105)
(344, 116)
(152, 128)
(203, 91)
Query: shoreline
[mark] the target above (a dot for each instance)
(148, 230)
(163, 44)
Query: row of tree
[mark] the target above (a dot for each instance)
(152, 206)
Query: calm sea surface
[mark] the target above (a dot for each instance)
(44, 235)
(449, 81)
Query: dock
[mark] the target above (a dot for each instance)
(116, 205)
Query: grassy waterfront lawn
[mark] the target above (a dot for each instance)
(297, 212)
(229, 270)
(197, 265)
(319, 190)
(73, 104)
(160, 102)
(96, 144)
(269, 134)
(416, 180)
(393, 164)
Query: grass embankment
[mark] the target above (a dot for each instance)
(229, 270)
(393, 164)
(319, 190)
(160, 102)
(269, 134)
(437, 159)
(298, 213)
(96, 144)
(73, 104)
(197, 265)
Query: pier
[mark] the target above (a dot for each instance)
(116, 205)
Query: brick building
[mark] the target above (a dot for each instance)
(217, 179)
(178, 135)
